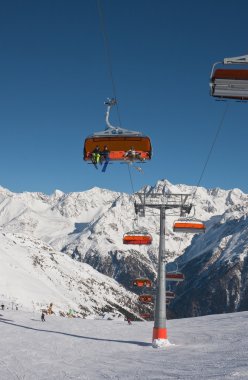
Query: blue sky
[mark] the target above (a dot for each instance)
(54, 80)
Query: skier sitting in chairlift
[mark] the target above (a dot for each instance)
(132, 155)
(104, 154)
(95, 155)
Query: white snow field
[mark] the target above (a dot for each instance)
(210, 347)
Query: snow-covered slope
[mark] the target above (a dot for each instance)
(33, 275)
(212, 347)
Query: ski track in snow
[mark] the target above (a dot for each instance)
(210, 347)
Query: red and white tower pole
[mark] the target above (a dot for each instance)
(159, 330)
(161, 202)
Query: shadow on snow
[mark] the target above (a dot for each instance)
(143, 344)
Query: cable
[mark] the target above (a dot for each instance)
(130, 176)
(208, 158)
(211, 148)
(108, 54)
(110, 68)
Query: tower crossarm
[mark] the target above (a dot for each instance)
(159, 200)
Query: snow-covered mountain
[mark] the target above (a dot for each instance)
(100, 244)
(89, 227)
(216, 268)
(33, 275)
(56, 219)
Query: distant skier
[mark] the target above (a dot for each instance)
(128, 321)
(43, 317)
(2, 306)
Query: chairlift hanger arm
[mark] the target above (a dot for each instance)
(109, 103)
(187, 209)
(111, 129)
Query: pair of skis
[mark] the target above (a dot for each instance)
(105, 165)
(131, 163)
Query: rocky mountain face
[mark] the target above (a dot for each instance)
(88, 227)
(216, 268)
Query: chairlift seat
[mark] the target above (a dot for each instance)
(178, 277)
(191, 226)
(170, 295)
(137, 238)
(142, 282)
(146, 298)
(118, 146)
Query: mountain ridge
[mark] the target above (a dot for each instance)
(88, 226)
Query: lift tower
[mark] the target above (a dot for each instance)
(178, 204)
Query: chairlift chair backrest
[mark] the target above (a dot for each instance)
(146, 298)
(170, 295)
(142, 282)
(137, 238)
(191, 226)
(173, 276)
(231, 83)
(118, 145)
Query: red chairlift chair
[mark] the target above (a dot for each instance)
(142, 282)
(189, 225)
(137, 238)
(118, 141)
(146, 298)
(175, 276)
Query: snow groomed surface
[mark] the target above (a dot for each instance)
(211, 347)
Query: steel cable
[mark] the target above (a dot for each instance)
(220, 125)
(108, 54)
(211, 148)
